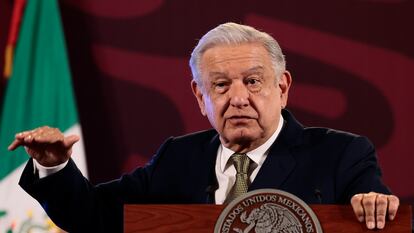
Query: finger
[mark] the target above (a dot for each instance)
(30, 136)
(28, 139)
(356, 203)
(47, 137)
(393, 203)
(70, 140)
(381, 210)
(40, 138)
(368, 203)
(22, 135)
(16, 143)
(34, 135)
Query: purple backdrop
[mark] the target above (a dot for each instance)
(352, 63)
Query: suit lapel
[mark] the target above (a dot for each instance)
(280, 161)
(210, 155)
(276, 169)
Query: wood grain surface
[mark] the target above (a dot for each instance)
(202, 218)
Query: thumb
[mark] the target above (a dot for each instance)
(70, 140)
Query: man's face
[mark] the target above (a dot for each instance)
(240, 94)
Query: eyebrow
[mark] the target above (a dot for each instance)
(249, 71)
(217, 73)
(253, 70)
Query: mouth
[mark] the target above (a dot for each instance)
(240, 119)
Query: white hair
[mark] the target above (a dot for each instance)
(235, 34)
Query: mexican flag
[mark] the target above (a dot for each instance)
(39, 92)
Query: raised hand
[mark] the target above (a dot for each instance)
(48, 146)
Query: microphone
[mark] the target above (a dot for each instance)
(210, 191)
(318, 195)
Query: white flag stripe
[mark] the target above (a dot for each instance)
(20, 206)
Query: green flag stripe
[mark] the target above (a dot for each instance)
(39, 91)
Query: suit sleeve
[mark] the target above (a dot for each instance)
(75, 205)
(358, 170)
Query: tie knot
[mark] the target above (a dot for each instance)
(241, 163)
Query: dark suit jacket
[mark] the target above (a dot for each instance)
(315, 164)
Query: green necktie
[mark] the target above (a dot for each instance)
(241, 163)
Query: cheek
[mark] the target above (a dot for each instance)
(268, 105)
(210, 107)
(214, 108)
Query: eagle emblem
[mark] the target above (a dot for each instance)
(270, 218)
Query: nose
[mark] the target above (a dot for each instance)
(239, 95)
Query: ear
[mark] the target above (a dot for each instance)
(199, 96)
(284, 85)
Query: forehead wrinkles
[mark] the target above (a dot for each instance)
(235, 65)
(221, 54)
(237, 58)
(232, 61)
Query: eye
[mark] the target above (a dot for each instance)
(254, 83)
(220, 86)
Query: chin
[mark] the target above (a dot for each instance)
(242, 137)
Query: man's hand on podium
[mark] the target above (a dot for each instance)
(373, 208)
(48, 146)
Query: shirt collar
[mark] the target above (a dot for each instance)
(255, 155)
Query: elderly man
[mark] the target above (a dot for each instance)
(242, 86)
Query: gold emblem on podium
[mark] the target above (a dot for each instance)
(267, 211)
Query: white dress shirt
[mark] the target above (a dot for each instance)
(226, 172)
(46, 171)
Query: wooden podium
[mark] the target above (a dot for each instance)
(202, 218)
